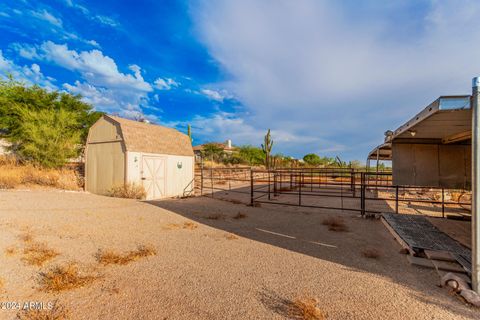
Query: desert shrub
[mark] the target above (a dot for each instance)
(185, 225)
(65, 277)
(371, 253)
(251, 155)
(215, 216)
(9, 180)
(36, 254)
(128, 190)
(58, 312)
(335, 224)
(305, 308)
(239, 216)
(107, 257)
(14, 173)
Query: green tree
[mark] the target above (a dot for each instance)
(22, 107)
(212, 151)
(312, 159)
(251, 155)
(48, 137)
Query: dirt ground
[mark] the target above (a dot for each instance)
(220, 267)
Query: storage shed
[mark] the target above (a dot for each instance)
(121, 151)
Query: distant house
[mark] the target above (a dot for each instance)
(121, 151)
(226, 147)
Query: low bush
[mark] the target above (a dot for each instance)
(371, 253)
(56, 313)
(66, 277)
(335, 224)
(128, 190)
(107, 257)
(306, 308)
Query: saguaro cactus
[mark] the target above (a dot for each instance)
(267, 148)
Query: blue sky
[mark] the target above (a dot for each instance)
(326, 76)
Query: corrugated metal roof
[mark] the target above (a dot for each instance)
(152, 138)
(443, 104)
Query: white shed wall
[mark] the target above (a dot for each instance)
(177, 179)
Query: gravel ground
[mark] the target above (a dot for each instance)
(278, 254)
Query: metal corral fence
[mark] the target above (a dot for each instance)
(332, 188)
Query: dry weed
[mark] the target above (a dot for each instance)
(190, 226)
(36, 254)
(371, 253)
(66, 277)
(235, 201)
(185, 225)
(128, 190)
(10, 251)
(215, 216)
(26, 237)
(107, 257)
(14, 174)
(239, 216)
(306, 308)
(335, 224)
(58, 312)
(9, 179)
(231, 236)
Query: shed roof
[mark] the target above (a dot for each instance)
(446, 120)
(152, 138)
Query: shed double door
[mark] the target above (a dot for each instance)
(153, 176)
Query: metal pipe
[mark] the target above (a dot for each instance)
(475, 185)
(443, 202)
(300, 191)
(396, 199)
(269, 186)
(251, 187)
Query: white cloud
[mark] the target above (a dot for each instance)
(93, 43)
(165, 84)
(103, 85)
(213, 95)
(221, 126)
(47, 16)
(99, 97)
(330, 70)
(27, 52)
(29, 74)
(96, 68)
(108, 21)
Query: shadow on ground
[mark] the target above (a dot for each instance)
(301, 230)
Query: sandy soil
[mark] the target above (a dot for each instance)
(278, 254)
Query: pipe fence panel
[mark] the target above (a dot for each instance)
(342, 189)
